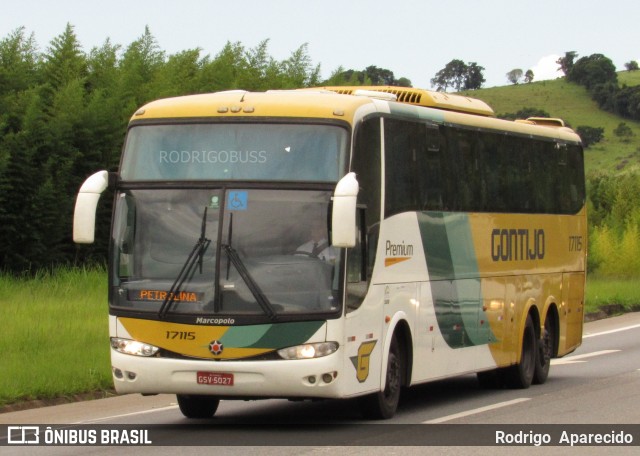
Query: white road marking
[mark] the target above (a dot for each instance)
(626, 328)
(579, 358)
(477, 410)
(143, 412)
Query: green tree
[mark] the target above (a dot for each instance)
(528, 76)
(566, 62)
(179, 75)
(372, 75)
(623, 131)
(459, 76)
(223, 72)
(525, 113)
(298, 70)
(19, 63)
(474, 77)
(380, 76)
(590, 135)
(22, 249)
(452, 75)
(138, 68)
(631, 65)
(259, 70)
(64, 62)
(593, 70)
(102, 67)
(515, 75)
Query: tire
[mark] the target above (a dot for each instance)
(520, 376)
(198, 407)
(383, 404)
(544, 353)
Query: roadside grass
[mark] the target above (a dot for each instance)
(54, 339)
(607, 292)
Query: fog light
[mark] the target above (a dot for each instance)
(117, 373)
(131, 375)
(312, 379)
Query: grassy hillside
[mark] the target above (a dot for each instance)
(630, 78)
(572, 103)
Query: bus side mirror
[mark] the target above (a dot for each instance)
(343, 219)
(84, 216)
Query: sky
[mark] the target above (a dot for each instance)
(413, 38)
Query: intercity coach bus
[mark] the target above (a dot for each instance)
(339, 242)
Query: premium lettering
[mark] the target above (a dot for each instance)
(403, 249)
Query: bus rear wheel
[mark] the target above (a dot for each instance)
(383, 404)
(198, 406)
(544, 352)
(521, 375)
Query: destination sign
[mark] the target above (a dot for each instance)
(161, 295)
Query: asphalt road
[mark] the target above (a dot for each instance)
(597, 384)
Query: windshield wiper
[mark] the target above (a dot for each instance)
(255, 289)
(196, 256)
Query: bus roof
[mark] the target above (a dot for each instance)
(342, 103)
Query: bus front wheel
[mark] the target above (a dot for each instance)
(383, 404)
(198, 406)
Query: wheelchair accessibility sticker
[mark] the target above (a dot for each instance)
(237, 200)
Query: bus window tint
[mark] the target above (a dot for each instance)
(234, 151)
(479, 171)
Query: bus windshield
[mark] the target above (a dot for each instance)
(241, 151)
(255, 252)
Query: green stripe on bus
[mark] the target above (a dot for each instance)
(274, 336)
(454, 278)
(415, 112)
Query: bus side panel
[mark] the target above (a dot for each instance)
(364, 345)
(571, 313)
(436, 355)
(453, 330)
(392, 296)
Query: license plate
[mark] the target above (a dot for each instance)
(215, 378)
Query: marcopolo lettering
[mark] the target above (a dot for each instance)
(517, 244)
(215, 321)
(212, 156)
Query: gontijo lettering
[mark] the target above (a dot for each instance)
(517, 244)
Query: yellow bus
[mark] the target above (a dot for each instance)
(338, 242)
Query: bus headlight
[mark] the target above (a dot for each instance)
(133, 347)
(308, 351)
